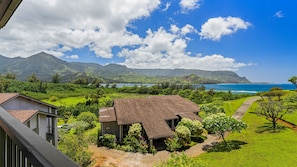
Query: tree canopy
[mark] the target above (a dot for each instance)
(293, 80)
(274, 110)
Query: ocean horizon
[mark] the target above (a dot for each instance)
(250, 88)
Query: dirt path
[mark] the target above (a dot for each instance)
(112, 157)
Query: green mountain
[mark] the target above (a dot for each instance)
(44, 66)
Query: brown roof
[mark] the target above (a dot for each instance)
(153, 112)
(107, 115)
(23, 115)
(7, 96)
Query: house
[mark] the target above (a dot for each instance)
(158, 115)
(38, 116)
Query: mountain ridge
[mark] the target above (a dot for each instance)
(44, 66)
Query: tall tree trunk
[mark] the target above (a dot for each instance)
(274, 125)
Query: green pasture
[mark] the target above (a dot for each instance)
(259, 146)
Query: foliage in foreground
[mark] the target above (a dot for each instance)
(180, 160)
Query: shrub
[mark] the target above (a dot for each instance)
(135, 140)
(53, 99)
(195, 127)
(184, 134)
(177, 160)
(172, 144)
(126, 148)
(108, 140)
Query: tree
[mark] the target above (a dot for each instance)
(56, 78)
(220, 124)
(196, 97)
(87, 117)
(293, 80)
(97, 95)
(4, 85)
(10, 76)
(32, 78)
(75, 146)
(215, 107)
(274, 110)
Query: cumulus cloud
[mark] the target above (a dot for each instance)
(163, 49)
(56, 27)
(215, 28)
(279, 14)
(45, 25)
(187, 5)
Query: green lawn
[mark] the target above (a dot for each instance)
(291, 117)
(232, 105)
(261, 149)
(68, 101)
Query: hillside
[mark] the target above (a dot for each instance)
(44, 66)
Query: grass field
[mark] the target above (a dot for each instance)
(70, 101)
(262, 148)
(232, 105)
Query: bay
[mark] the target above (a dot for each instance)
(250, 88)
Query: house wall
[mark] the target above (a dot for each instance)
(33, 123)
(110, 128)
(42, 125)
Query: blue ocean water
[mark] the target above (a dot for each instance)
(248, 88)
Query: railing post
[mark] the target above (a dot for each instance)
(2, 147)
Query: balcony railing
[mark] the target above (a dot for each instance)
(20, 146)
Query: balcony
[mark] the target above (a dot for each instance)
(20, 146)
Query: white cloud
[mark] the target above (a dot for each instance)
(215, 28)
(167, 5)
(72, 57)
(56, 27)
(163, 49)
(187, 5)
(45, 25)
(279, 14)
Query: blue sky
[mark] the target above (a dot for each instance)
(256, 39)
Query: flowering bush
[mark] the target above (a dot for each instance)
(220, 123)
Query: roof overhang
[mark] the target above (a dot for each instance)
(7, 8)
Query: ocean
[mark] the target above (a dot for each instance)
(250, 88)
